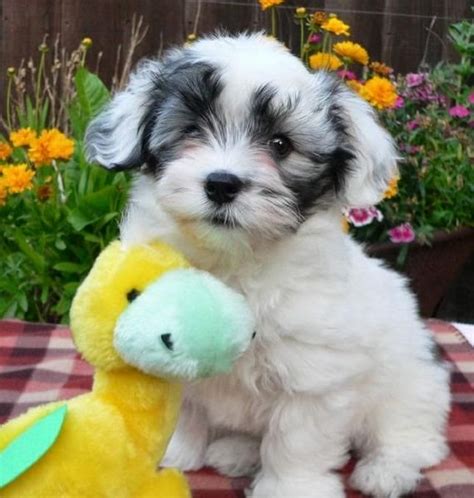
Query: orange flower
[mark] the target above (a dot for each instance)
(381, 68)
(352, 51)
(336, 26)
(320, 18)
(321, 60)
(3, 192)
(50, 145)
(23, 136)
(266, 4)
(44, 192)
(380, 92)
(354, 84)
(345, 225)
(392, 188)
(5, 151)
(17, 178)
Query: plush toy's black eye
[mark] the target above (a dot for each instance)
(132, 294)
(281, 145)
(167, 341)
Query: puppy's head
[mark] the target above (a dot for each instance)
(235, 134)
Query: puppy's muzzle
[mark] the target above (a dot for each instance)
(222, 187)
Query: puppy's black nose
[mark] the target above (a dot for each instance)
(222, 187)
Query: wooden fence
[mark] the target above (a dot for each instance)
(395, 31)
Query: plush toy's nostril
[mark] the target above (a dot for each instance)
(166, 339)
(254, 334)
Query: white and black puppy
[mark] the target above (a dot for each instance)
(245, 161)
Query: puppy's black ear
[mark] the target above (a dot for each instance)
(114, 137)
(375, 154)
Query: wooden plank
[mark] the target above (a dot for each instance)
(109, 23)
(23, 26)
(404, 36)
(215, 16)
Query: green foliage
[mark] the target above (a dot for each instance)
(49, 241)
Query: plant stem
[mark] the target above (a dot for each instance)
(9, 96)
(302, 40)
(38, 89)
(274, 22)
(59, 178)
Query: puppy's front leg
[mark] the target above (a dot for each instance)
(307, 439)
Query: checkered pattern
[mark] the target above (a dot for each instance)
(38, 363)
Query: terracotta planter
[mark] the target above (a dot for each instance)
(431, 269)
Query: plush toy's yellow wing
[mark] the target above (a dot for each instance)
(29, 446)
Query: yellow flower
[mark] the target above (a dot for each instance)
(300, 11)
(23, 136)
(5, 151)
(381, 68)
(266, 4)
(17, 178)
(352, 51)
(87, 42)
(392, 188)
(321, 60)
(50, 145)
(336, 26)
(380, 92)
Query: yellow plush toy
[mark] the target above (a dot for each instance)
(144, 320)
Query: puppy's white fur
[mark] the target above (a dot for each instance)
(341, 358)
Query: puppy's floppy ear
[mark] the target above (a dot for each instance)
(114, 137)
(375, 161)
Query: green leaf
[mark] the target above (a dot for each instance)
(25, 246)
(67, 267)
(92, 95)
(27, 448)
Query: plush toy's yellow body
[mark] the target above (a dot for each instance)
(113, 437)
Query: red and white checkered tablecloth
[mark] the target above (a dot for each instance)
(38, 364)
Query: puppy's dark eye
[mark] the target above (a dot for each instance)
(132, 294)
(281, 145)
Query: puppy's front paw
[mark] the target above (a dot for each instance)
(234, 456)
(383, 477)
(314, 486)
(184, 453)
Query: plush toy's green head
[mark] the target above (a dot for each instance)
(185, 325)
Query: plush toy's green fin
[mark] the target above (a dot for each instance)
(30, 446)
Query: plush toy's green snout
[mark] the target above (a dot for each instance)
(185, 325)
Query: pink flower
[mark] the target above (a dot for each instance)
(459, 111)
(360, 217)
(414, 79)
(402, 234)
(400, 102)
(314, 38)
(347, 75)
(413, 125)
(414, 149)
(470, 99)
